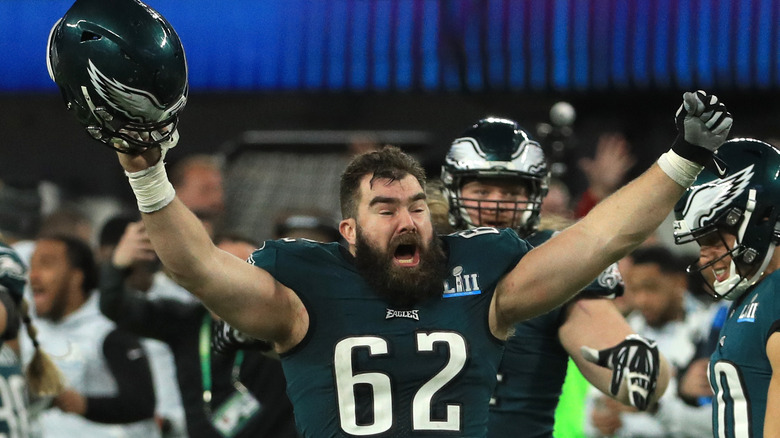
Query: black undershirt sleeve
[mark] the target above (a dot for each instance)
(159, 319)
(129, 365)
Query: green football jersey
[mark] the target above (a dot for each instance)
(365, 368)
(533, 368)
(739, 368)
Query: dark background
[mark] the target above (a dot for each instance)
(42, 141)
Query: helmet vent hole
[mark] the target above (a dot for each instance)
(89, 36)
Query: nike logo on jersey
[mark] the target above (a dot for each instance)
(411, 314)
(462, 284)
(748, 314)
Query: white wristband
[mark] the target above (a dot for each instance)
(682, 171)
(152, 189)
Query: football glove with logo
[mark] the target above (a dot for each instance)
(703, 124)
(634, 360)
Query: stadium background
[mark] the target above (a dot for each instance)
(276, 77)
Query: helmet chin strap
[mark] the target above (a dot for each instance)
(735, 285)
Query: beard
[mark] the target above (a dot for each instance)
(59, 304)
(402, 287)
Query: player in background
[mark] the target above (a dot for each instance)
(735, 219)
(495, 175)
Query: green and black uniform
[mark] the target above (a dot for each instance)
(365, 368)
(533, 368)
(739, 369)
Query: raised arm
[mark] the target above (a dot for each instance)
(552, 273)
(245, 296)
(772, 419)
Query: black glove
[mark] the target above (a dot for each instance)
(703, 124)
(226, 340)
(634, 360)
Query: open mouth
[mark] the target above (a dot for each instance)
(38, 296)
(407, 255)
(721, 274)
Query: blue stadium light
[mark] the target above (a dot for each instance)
(703, 44)
(744, 54)
(683, 47)
(620, 44)
(441, 46)
(561, 53)
(538, 49)
(640, 45)
(581, 45)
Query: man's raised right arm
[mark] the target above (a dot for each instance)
(245, 296)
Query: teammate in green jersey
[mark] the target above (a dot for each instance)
(736, 221)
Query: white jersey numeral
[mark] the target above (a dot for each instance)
(731, 398)
(381, 388)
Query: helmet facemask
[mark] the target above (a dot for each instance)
(521, 215)
(128, 136)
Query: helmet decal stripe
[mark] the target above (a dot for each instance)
(706, 201)
(527, 157)
(462, 148)
(138, 105)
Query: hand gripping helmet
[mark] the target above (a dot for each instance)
(745, 202)
(121, 68)
(497, 149)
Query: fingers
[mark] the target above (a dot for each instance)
(708, 109)
(691, 104)
(714, 120)
(715, 115)
(638, 389)
(606, 359)
(135, 163)
(617, 379)
(134, 246)
(699, 104)
(722, 124)
(592, 355)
